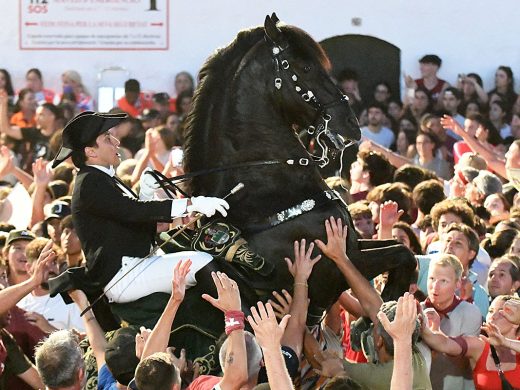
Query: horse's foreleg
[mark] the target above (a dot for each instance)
(396, 259)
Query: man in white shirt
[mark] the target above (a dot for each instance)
(375, 131)
(46, 312)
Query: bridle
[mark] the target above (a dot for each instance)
(281, 66)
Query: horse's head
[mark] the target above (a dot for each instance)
(303, 88)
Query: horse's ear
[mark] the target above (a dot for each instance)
(274, 18)
(272, 31)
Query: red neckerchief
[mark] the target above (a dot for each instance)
(450, 308)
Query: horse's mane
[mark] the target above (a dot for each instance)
(212, 96)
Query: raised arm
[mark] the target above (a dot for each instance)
(11, 295)
(300, 269)
(5, 126)
(228, 300)
(388, 215)
(494, 161)
(401, 330)
(496, 338)
(395, 159)
(42, 177)
(335, 249)
(158, 339)
(269, 335)
(95, 334)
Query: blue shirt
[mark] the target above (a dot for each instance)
(106, 380)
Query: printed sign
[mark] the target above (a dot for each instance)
(94, 24)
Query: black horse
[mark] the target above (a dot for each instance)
(253, 97)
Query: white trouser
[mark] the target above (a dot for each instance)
(152, 275)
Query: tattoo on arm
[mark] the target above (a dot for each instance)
(230, 358)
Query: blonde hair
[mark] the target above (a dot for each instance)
(446, 260)
(76, 78)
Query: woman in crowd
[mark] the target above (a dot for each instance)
(471, 86)
(75, 92)
(6, 84)
(499, 118)
(25, 109)
(479, 349)
(473, 107)
(34, 81)
(421, 104)
(382, 93)
(504, 84)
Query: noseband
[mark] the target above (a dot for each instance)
(281, 64)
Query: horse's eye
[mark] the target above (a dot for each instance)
(307, 68)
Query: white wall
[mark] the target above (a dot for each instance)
(469, 35)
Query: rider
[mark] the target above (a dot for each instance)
(115, 227)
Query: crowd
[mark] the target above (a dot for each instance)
(438, 171)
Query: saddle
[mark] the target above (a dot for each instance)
(221, 240)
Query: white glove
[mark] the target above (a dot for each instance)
(208, 206)
(147, 185)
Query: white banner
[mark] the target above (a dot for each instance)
(94, 24)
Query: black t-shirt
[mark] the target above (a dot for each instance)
(33, 145)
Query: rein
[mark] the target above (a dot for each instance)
(164, 181)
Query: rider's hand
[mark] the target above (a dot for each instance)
(208, 206)
(147, 185)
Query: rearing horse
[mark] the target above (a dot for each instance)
(252, 96)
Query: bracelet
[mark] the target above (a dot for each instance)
(301, 284)
(233, 320)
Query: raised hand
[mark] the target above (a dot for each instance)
(448, 122)
(140, 340)
(268, 332)
(403, 325)
(6, 161)
(302, 266)
(282, 306)
(228, 295)
(179, 280)
(389, 213)
(42, 172)
(511, 310)
(336, 246)
(494, 336)
(47, 255)
(433, 319)
(180, 362)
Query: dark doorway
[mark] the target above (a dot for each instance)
(372, 58)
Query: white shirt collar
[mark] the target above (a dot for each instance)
(109, 171)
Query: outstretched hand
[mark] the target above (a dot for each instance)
(268, 332)
(47, 255)
(303, 263)
(494, 336)
(389, 213)
(42, 172)
(228, 295)
(403, 325)
(6, 161)
(282, 306)
(179, 280)
(336, 246)
(449, 123)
